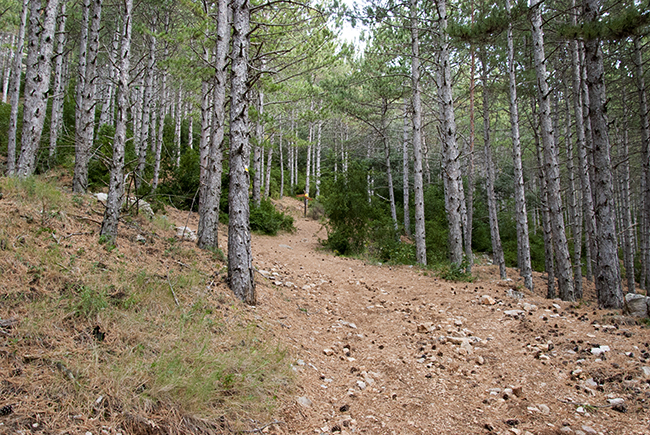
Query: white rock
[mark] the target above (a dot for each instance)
(513, 313)
(487, 300)
(646, 371)
(362, 385)
(635, 305)
(328, 352)
(304, 401)
(544, 409)
(140, 239)
(588, 430)
(186, 233)
(530, 307)
(348, 324)
(566, 429)
(101, 197)
(514, 294)
(616, 401)
(600, 350)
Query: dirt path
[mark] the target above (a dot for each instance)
(394, 350)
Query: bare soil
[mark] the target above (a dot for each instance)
(381, 349)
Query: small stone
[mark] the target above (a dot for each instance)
(616, 401)
(589, 430)
(544, 409)
(600, 350)
(529, 307)
(513, 313)
(487, 300)
(480, 360)
(591, 383)
(646, 371)
(362, 385)
(580, 410)
(425, 327)
(304, 401)
(458, 323)
(140, 239)
(518, 391)
(328, 352)
(566, 429)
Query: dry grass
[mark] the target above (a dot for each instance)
(140, 338)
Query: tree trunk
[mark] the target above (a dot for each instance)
(624, 181)
(81, 73)
(450, 155)
(86, 127)
(645, 139)
(257, 154)
(319, 135)
(107, 115)
(146, 109)
(389, 172)
(14, 90)
(267, 183)
(56, 117)
(177, 128)
(418, 186)
(608, 275)
(116, 184)
(37, 84)
(497, 248)
(162, 111)
(281, 159)
(405, 172)
(470, 162)
(240, 259)
(551, 166)
(209, 213)
(521, 214)
(8, 62)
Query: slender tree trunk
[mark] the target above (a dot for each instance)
(116, 183)
(497, 248)
(206, 128)
(418, 185)
(56, 117)
(645, 139)
(551, 166)
(624, 181)
(37, 84)
(574, 210)
(257, 154)
(14, 90)
(8, 62)
(107, 115)
(389, 172)
(240, 259)
(451, 157)
(608, 277)
(405, 171)
(523, 241)
(281, 160)
(146, 109)
(81, 72)
(86, 126)
(267, 183)
(162, 112)
(318, 155)
(211, 193)
(470, 162)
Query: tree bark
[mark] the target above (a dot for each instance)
(627, 229)
(608, 275)
(497, 248)
(405, 172)
(281, 159)
(116, 183)
(147, 103)
(418, 185)
(209, 213)
(645, 139)
(14, 91)
(267, 183)
(389, 172)
(450, 155)
(37, 84)
(162, 111)
(56, 116)
(551, 166)
(240, 259)
(86, 125)
(257, 150)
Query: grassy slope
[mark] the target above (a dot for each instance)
(92, 337)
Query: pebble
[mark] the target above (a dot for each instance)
(513, 313)
(487, 300)
(600, 350)
(566, 429)
(362, 385)
(616, 401)
(646, 371)
(544, 409)
(328, 352)
(589, 430)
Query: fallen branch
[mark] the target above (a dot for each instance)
(77, 234)
(84, 218)
(172, 289)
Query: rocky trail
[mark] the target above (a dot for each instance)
(395, 350)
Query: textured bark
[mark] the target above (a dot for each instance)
(240, 259)
(319, 145)
(551, 166)
(146, 110)
(405, 171)
(209, 213)
(418, 185)
(454, 195)
(573, 209)
(56, 117)
(116, 183)
(37, 84)
(81, 70)
(257, 150)
(521, 215)
(608, 275)
(177, 126)
(86, 126)
(6, 73)
(389, 172)
(280, 149)
(627, 229)
(162, 111)
(497, 248)
(14, 91)
(267, 183)
(469, 214)
(645, 139)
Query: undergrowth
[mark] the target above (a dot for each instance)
(123, 336)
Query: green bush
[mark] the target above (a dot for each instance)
(266, 219)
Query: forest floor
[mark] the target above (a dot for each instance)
(375, 349)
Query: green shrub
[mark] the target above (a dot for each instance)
(266, 219)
